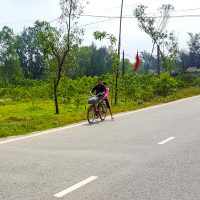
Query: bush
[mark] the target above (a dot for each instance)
(166, 85)
(148, 94)
(185, 80)
(3, 92)
(196, 81)
(132, 87)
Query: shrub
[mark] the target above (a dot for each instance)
(185, 80)
(166, 85)
(196, 81)
(148, 94)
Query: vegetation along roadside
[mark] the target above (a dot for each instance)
(29, 107)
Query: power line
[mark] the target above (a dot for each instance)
(104, 16)
(34, 20)
(81, 24)
(187, 10)
(132, 17)
(110, 18)
(99, 16)
(184, 16)
(54, 20)
(98, 22)
(129, 56)
(26, 21)
(112, 8)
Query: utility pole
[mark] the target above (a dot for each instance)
(119, 47)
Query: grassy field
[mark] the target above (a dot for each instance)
(18, 118)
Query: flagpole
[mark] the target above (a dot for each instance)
(119, 47)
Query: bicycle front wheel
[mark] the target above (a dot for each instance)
(90, 114)
(103, 110)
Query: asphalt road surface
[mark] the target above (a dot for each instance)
(151, 154)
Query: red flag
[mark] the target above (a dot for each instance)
(137, 63)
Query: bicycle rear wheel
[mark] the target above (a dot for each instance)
(90, 114)
(102, 110)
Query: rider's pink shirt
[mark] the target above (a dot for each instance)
(106, 96)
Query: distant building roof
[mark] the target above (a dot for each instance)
(193, 69)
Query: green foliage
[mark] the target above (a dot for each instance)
(9, 61)
(131, 88)
(194, 50)
(29, 106)
(102, 35)
(166, 85)
(30, 52)
(148, 62)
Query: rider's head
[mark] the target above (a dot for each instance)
(105, 83)
(99, 80)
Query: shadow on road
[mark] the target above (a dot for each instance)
(98, 122)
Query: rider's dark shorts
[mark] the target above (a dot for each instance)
(107, 103)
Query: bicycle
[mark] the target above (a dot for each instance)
(97, 109)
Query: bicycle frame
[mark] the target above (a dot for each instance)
(97, 110)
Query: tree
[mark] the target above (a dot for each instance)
(184, 60)
(9, 61)
(101, 61)
(57, 43)
(128, 66)
(84, 56)
(173, 52)
(30, 52)
(90, 61)
(194, 49)
(155, 29)
(148, 62)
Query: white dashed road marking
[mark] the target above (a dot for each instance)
(167, 140)
(76, 186)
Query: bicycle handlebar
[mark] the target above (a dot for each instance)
(99, 94)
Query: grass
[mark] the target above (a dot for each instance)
(18, 118)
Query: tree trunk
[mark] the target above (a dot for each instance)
(165, 64)
(148, 66)
(56, 97)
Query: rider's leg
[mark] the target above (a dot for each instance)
(108, 106)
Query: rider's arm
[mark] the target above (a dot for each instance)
(93, 89)
(104, 88)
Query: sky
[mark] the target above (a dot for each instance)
(18, 14)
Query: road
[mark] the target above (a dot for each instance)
(150, 154)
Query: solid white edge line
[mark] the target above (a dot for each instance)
(155, 106)
(167, 140)
(76, 186)
(36, 134)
